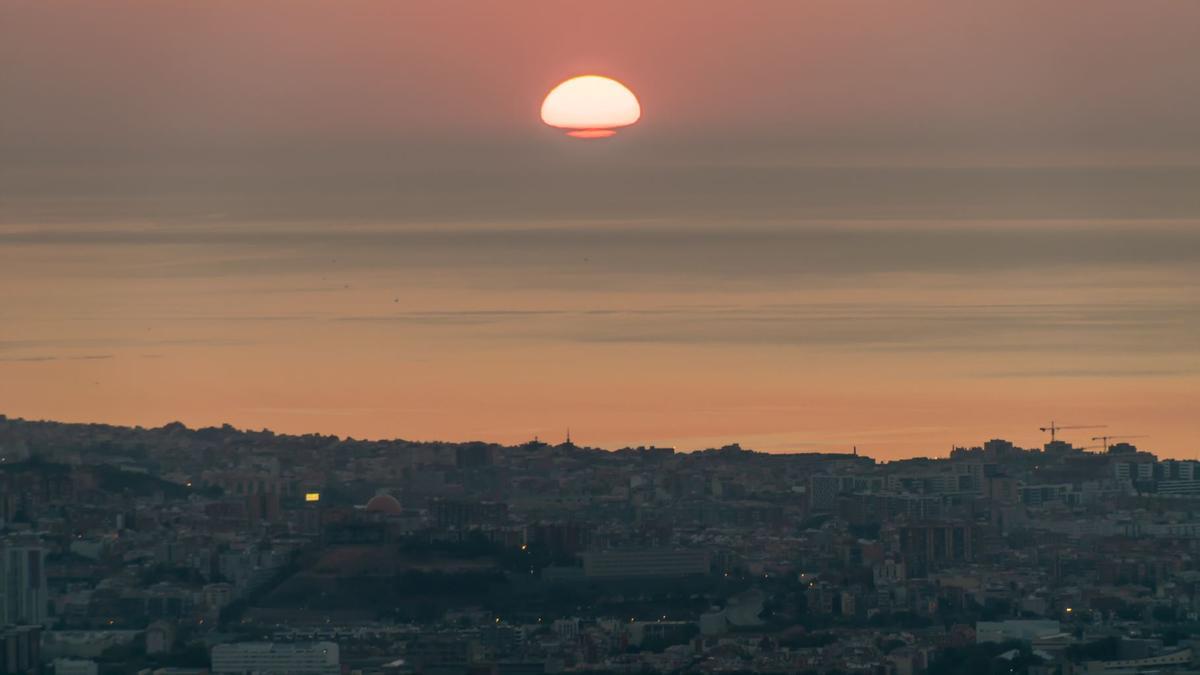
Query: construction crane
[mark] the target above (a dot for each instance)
(1054, 428)
(1106, 439)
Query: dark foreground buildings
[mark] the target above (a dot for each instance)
(176, 550)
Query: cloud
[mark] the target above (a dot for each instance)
(677, 255)
(1166, 328)
(40, 359)
(1088, 373)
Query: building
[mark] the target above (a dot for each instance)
(889, 571)
(1171, 662)
(644, 563)
(160, 637)
(462, 513)
(931, 545)
(1135, 468)
(1176, 477)
(670, 632)
(20, 650)
(1024, 630)
(1038, 495)
(440, 653)
(23, 597)
(217, 595)
(560, 539)
(275, 658)
(823, 490)
(75, 667)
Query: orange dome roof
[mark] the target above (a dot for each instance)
(384, 504)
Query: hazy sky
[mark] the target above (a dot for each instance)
(901, 225)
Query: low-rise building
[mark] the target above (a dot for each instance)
(274, 658)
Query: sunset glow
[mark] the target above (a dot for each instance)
(590, 106)
(830, 224)
(592, 133)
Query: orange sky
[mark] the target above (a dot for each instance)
(898, 225)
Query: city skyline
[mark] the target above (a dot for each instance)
(564, 337)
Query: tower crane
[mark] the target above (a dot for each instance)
(1054, 428)
(1106, 439)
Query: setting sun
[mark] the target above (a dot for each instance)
(590, 106)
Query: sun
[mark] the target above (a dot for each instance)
(591, 106)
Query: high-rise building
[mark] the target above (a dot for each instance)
(931, 545)
(23, 597)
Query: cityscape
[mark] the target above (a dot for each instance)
(578, 337)
(178, 551)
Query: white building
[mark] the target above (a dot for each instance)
(1178, 477)
(1136, 469)
(276, 658)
